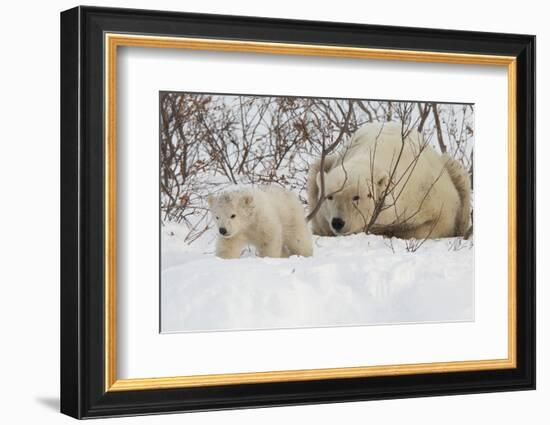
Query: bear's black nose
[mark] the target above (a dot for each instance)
(337, 223)
(223, 230)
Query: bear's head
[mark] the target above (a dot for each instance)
(350, 198)
(231, 211)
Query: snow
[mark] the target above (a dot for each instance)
(350, 281)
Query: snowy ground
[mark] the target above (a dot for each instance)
(350, 280)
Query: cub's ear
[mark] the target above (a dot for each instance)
(210, 199)
(247, 200)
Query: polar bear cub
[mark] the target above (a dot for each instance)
(270, 218)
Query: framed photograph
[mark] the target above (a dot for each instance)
(261, 212)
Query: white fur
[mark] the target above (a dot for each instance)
(270, 218)
(432, 193)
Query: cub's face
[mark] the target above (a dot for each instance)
(231, 212)
(349, 200)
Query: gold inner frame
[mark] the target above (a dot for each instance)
(113, 41)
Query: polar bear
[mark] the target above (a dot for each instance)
(270, 218)
(393, 174)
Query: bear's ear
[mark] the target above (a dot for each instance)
(382, 182)
(247, 200)
(210, 200)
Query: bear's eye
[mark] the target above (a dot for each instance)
(369, 195)
(355, 198)
(233, 216)
(329, 197)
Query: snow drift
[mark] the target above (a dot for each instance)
(350, 281)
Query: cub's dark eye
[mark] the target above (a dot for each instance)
(370, 195)
(233, 216)
(217, 218)
(329, 197)
(355, 198)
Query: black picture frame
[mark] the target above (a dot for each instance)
(83, 392)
